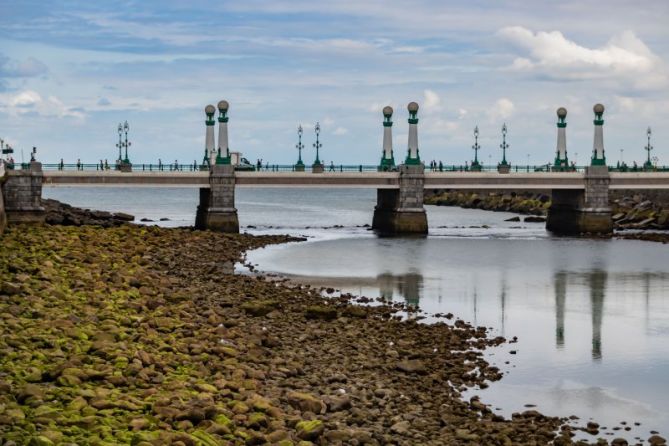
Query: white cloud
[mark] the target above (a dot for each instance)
(29, 101)
(340, 131)
(432, 101)
(502, 109)
(553, 55)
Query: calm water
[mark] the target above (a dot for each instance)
(591, 317)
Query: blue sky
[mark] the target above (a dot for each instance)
(70, 71)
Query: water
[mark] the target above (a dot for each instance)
(591, 316)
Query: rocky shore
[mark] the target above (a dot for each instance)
(629, 212)
(141, 335)
(58, 213)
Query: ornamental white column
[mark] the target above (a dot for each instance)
(209, 139)
(598, 158)
(387, 157)
(561, 157)
(412, 156)
(223, 148)
(387, 132)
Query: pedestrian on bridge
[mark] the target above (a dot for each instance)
(332, 169)
(79, 164)
(441, 166)
(61, 165)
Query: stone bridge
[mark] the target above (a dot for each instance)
(580, 200)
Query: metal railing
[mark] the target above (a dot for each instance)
(331, 168)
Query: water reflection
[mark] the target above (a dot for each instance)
(408, 286)
(597, 284)
(560, 282)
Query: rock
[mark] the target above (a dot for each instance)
(400, 428)
(513, 219)
(123, 216)
(310, 430)
(259, 307)
(656, 440)
(534, 219)
(322, 312)
(619, 442)
(412, 366)
(40, 440)
(338, 403)
(306, 402)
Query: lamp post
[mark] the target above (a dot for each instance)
(124, 164)
(504, 166)
(299, 167)
(120, 143)
(648, 165)
(317, 167)
(476, 166)
(126, 129)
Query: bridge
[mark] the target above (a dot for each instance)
(580, 196)
(363, 180)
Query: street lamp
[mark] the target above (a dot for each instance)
(504, 166)
(476, 167)
(648, 165)
(317, 167)
(120, 142)
(299, 167)
(126, 128)
(123, 164)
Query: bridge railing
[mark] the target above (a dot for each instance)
(328, 168)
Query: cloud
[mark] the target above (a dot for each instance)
(29, 101)
(555, 56)
(432, 101)
(502, 109)
(340, 131)
(103, 102)
(29, 67)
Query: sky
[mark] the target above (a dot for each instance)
(70, 71)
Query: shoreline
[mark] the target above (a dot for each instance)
(283, 364)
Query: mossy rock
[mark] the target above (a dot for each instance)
(260, 307)
(321, 312)
(310, 430)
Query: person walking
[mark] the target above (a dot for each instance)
(332, 169)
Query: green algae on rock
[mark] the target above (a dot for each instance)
(141, 336)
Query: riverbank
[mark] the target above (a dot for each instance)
(629, 212)
(140, 335)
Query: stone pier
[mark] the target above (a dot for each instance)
(216, 210)
(401, 211)
(582, 211)
(3, 216)
(22, 195)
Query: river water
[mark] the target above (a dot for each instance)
(591, 316)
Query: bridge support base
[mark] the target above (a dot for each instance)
(22, 195)
(3, 216)
(400, 211)
(575, 212)
(216, 210)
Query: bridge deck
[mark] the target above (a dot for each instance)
(373, 180)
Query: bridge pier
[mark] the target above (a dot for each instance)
(22, 195)
(582, 211)
(216, 210)
(401, 211)
(3, 216)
